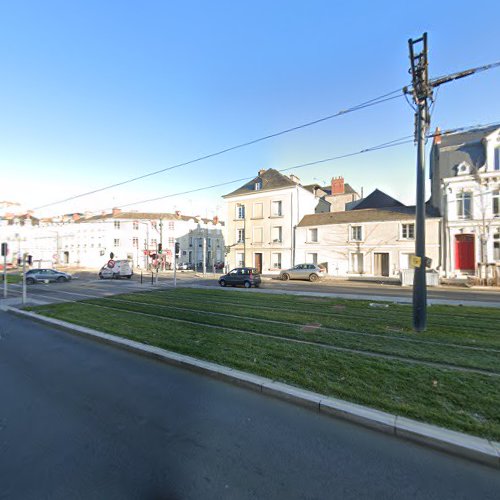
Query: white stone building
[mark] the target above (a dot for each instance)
(373, 240)
(465, 185)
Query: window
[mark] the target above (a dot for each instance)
(277, 234)
(116, 242)
(257, 234)
(240, 259)
(240, 236)
(356, 233)
(257, 210)
(190, 242)
(135, 225)
(276, 260)
(496, 246)
(117, 224)
(464, 205)
(209, 242)
(171, 225)
(313, 235)
(312, 257)
(135, 242)
(496, 203)
(258, 185)
(408, 231)
(276, 209)
(240, 211)
(497, 158)
(153, 242)
(170, 240)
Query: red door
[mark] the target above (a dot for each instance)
(464, 252)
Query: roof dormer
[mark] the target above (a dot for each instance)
(463, 168)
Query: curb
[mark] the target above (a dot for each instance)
(453, 442)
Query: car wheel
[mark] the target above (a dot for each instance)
(313, 277)
(101, 277)
(285, 276)
(247, 284)
(61, 279)
(222, 282)
(30, 281)
(128, 277)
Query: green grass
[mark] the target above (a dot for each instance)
(449, 375)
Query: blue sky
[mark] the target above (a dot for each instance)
(96, 92)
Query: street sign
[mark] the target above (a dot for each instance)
(415, 261)
(111, 263)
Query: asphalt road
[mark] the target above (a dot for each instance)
(80, 419)
(88, 285)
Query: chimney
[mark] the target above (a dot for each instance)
(437, 136)
(216, 220)
(261, 172)
(294, 178)
(337, 185)
(76, 216)
(177, 213)
(116, 212)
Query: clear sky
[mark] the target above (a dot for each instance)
(94, 92)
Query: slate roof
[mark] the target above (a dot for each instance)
(457, 148)
(142, 216)
(359, 216)
(270, 179)
(377, 199)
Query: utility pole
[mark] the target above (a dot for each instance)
(422, 92)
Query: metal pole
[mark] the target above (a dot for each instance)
(204, 253)
(419, 280)
(175, 269)
(5, 276)
(24, 279)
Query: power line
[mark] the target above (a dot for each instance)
(395, 142)
(372, 102)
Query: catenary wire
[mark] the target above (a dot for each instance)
(395, 94)
(395, 142)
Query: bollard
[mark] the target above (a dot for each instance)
(141, 277)
(152, 275)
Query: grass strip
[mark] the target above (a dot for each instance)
(446, 355)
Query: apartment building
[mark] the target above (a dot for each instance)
(262, 217)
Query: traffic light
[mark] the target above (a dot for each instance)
(5, 249)
(111, 255)
(29, 259)
(177, 248)
(160, 248)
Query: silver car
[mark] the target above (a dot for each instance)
(46, 275)
(311, 272)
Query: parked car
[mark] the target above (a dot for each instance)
(184, 266)
(43, 275)
(246, 276)
(311, 272)
(116, 269)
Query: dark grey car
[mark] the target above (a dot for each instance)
(246, 276)
(44, 275)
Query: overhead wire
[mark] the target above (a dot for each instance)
(388, 144)
(395, 94)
